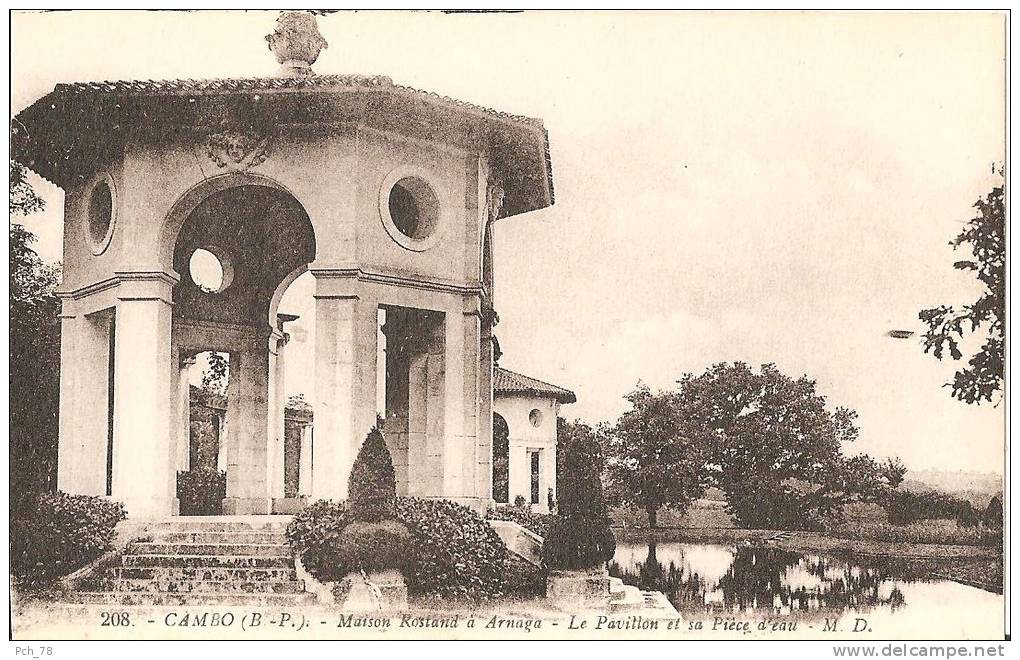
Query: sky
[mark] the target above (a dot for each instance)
(765, 187)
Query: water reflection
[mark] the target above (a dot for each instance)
(716, 578)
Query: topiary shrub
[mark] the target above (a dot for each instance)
(453, 553)
(579, 536)
(372, 487)
(201, 491)
(61, 533)
(335, 539)
(456, 554)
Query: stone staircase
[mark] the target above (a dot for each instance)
(630, 599)
(202, 561)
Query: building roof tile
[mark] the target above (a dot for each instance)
(511, 382)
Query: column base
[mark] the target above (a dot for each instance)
(289, 505)
(246, 506)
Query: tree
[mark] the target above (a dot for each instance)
(993, 514)
(893, 471)
(985, 235)
(24, 199)
(776, 445)
(34, 354)
(653, 460)
(214, 378)
(579, 536)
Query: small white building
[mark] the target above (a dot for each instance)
(524, 417)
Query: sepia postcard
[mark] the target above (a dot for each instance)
(509, 325)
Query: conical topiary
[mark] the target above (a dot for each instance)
(579, 536)
(372, 488)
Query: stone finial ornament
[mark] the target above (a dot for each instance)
(296, 43)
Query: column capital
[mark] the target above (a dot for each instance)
(145, 286)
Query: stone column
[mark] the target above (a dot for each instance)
(143, 460)
(248, 458)
(421, 475)
(485, 383)
(398, 350)
(345, 382)
(84, 402)
(435, 479)
(305, 468)
(70, 449)
(220, 421)
(183, 405)
(460, 402)
(472, 454)
(519, 471)
(277, 403)
(547, 476)
(231, 418)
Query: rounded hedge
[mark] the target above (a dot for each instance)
(313, 533)
(61, 533)
(456, 553)
(371, 547)
(453, 552)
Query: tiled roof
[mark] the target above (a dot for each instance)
(63, 134)
(244, 85)
(511, 382)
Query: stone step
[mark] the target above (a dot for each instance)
(214, 524)
(107, 584)
(209, 574)
(240, 549)
(205, 561)
(624, 597)
(266, 538)
(191, 599)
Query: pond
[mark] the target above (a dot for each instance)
(706, 580)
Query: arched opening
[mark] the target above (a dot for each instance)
(237, 250)
(500, 459)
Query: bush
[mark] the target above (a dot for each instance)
(201, 491)
(60, 534)
(372, 486)
(940, 532)
(764, 505)
(456, 553)
(453, 552)
(905, 507)
(536, 522)
(579, 536)
(314, 533)
(371, 547)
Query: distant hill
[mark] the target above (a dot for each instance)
(978, 487)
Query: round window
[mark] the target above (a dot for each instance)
(535, 417)
(100, 215)
(209, 271)
(410, 211)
